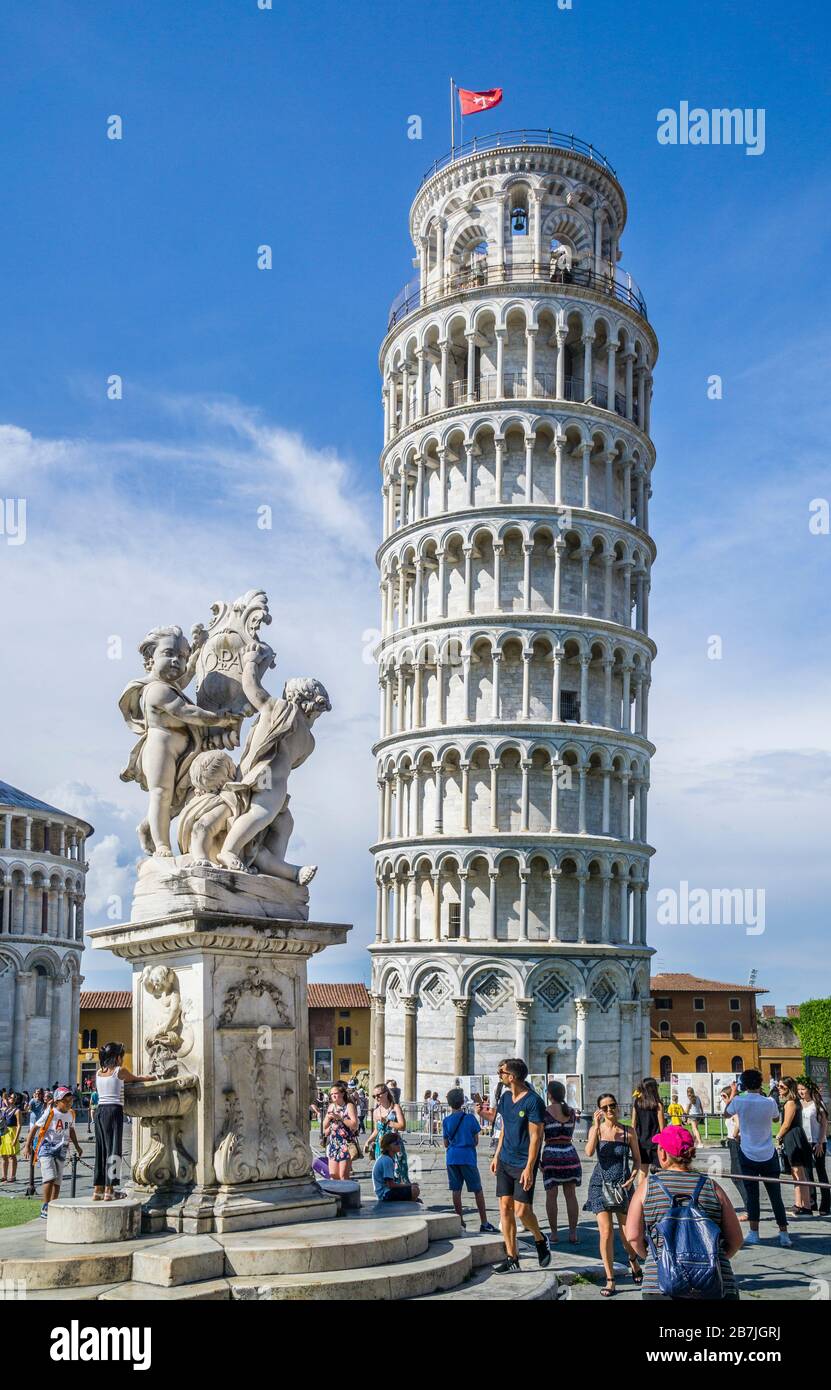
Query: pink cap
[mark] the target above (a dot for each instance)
(675, 1140)
(60, 1092)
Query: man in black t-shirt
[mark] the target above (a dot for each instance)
(516, 1161)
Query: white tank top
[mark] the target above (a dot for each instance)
(110, 1089)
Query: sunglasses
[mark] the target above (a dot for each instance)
(607, 1107)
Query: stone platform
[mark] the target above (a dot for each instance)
(395, 1252)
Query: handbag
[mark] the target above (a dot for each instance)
(613, 1195)
(354, 1149)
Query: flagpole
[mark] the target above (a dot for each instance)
(452, 117)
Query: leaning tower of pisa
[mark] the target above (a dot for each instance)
(513, 761)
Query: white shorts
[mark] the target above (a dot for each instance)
(51, 1167)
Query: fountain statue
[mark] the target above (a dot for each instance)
(219, 933)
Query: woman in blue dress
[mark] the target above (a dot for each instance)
(618, 1158)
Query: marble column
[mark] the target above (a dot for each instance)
(523, 1029)
(410, 1002)
(627, 1012)
(582, 1006)
(460, 1037)
(380, 1039)
(17, 1068)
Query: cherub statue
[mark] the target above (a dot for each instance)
(172, 731)
(168, 1043)
(212, 806)
(253, 808)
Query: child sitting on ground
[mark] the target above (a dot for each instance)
(51, 1136)
(383, 1174)
(461, 1135)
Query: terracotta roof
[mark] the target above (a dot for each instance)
(338, 997)
(106, 999)
(693, 984)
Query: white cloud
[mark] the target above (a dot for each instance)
(124, 535)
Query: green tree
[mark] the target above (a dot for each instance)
(813, 1027)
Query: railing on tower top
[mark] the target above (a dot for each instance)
(618, 285)
(555, 138)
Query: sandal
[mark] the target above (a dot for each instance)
(637, 1272)
(610, 1289)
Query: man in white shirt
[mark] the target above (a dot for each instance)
(757, 1152)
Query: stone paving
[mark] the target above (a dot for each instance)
(764, 1271)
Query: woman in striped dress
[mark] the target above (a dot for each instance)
(560, 1164)
(676, 1151)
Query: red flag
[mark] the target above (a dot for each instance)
(471, 102)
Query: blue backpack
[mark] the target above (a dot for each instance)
(688, 1265)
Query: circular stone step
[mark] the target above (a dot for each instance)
(80, 1221)
(324, 1246)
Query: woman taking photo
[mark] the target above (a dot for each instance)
(618, 1159)
(794, 1145)
(109, 1120)
(647, 1121)
(11, 1118)
(815, 1125)
(388, 1118)
(340, 1125)
(655, 1197)
(560, 1164)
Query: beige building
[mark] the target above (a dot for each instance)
(106, 1016)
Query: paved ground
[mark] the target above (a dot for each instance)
(765, 1271)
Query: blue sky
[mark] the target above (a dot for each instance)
(243, 387)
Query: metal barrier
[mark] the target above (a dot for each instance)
(30, 1185)
(409, 299)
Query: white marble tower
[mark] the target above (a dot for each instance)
(42, 873)
(515, 662)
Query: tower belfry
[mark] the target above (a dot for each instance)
(515, 663)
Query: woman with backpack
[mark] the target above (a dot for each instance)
(684, 1224)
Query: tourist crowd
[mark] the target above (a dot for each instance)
(679, 1228)
(46, 1118)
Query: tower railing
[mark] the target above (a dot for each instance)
(555, 139)
(482, 274)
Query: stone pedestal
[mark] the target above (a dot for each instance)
(220, 1016)
(81, 1221)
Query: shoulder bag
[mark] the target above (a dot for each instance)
(613, 1195)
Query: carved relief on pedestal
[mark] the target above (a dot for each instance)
(168, 1038)
(260, 1138)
